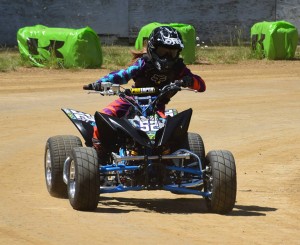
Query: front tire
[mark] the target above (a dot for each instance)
(57, 149)
(84, 179)
(220, 180)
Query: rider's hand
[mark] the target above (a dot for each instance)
(187, 81)
(92, 86)
(88, 87)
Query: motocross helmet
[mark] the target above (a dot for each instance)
(164, 46)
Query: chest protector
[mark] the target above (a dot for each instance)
(149, 76)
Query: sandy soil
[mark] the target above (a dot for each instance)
(251, 109)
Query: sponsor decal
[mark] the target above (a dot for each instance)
(78, 115)
(157, 78)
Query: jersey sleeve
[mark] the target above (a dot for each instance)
(198, 82)
(124, 75)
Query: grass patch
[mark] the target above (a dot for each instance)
(10, 59)
(225, 55)
(297, 53)
(117, 57)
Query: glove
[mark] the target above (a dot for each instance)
(92, 86)
(187, 81)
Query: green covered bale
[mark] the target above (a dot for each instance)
(70, 47)
(275, 40)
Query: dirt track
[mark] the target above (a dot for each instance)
(251, 109)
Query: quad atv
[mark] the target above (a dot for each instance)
(143, 151)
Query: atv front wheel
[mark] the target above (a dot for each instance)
(57, 149)
(220, 181)
(84, 179)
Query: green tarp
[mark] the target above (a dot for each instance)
(71, 47)
(275, 40)
(187, 32)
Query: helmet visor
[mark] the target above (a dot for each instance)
(164, 52)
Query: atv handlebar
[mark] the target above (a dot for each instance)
(114, 89)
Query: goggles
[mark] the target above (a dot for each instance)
(163, 52)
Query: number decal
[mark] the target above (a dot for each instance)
(80, 116)
(144, 126)
(150, 125)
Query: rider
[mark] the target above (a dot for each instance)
(159, 67)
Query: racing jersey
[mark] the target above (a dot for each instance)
(145, 74)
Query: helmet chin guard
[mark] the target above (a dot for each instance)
(163, 64)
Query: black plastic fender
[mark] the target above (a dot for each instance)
(175, 129)
(84, 122)
(112, 129)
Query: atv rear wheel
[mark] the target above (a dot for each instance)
(57, 149)
(196, 145)
(84, 179)
(220, 180)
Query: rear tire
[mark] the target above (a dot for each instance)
(57, 150)
(220, 180)
(196, 145)
(84, 179)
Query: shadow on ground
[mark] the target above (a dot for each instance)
(169, 206)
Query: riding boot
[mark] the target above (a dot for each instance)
(99, 148)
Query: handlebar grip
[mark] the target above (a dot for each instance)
(178, 83)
